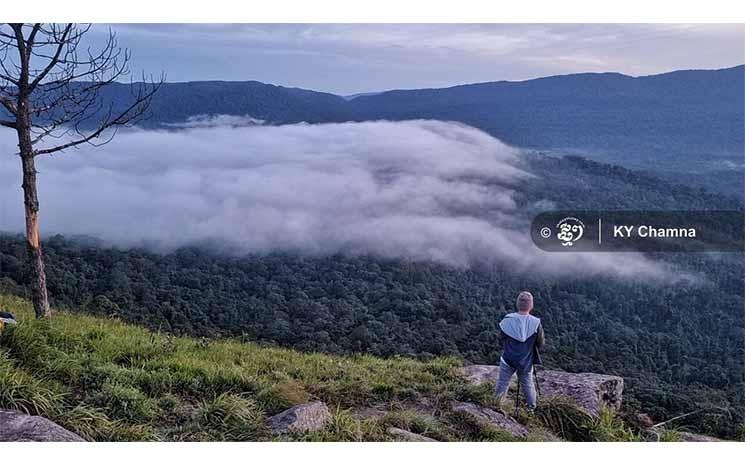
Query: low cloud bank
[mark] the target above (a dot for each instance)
(214, 121)
(420, 190)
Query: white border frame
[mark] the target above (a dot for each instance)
(397, 11)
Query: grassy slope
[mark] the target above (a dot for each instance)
(107, 380)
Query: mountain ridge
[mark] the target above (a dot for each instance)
(735, 68)
(676, 124)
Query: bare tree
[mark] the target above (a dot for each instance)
(51, 86)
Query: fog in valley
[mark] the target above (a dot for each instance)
(419, 190)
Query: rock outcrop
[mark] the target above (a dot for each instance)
(590, 391)
(303, 418)
(479, 374)
(492, 418)
(17, 426)
(403, 435)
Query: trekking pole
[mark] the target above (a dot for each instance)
(538, 361)
(517, 399)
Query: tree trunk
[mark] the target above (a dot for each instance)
(39, 294)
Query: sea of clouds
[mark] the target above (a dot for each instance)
(418, 190)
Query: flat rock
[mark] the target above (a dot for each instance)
(18, 426)
(491, 418)
(590, 391)
(479, 374)
(302, 418)
(404, 435)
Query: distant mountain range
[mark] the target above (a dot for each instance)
(688, 125)
(177, 102)
(642, 121)
(688, 114)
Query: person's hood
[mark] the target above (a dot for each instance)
(519, 327)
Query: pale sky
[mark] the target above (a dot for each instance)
(351, 58)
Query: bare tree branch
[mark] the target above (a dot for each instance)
(62, 83)
(135, 110)
(53, 87)
(53, 61)
(32, 36)
(8, 104)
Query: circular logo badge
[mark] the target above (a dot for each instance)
(570, 230)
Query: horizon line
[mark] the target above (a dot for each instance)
(515, 81)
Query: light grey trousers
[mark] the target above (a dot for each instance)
(524, 378)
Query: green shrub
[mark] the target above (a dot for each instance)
(417, 423)
(93, 424)
(21, 391)
(344, 427)
(127, 433)
(608, 427)
(472, 429)
(233, 418)
(668, 435)
(564, 418)
(281, 396)
(124, 403)
(482, 394)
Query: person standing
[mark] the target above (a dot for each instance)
(522, 339)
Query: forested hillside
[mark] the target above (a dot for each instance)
(686, 126)
(648, 121)
(679, 345)
(574, 182)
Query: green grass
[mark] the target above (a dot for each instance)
(111, 381)
(669, 435)
(107, 380)
(344, 426)
(609, 427)
(565, 419)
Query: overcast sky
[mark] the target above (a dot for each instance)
(351, 58)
